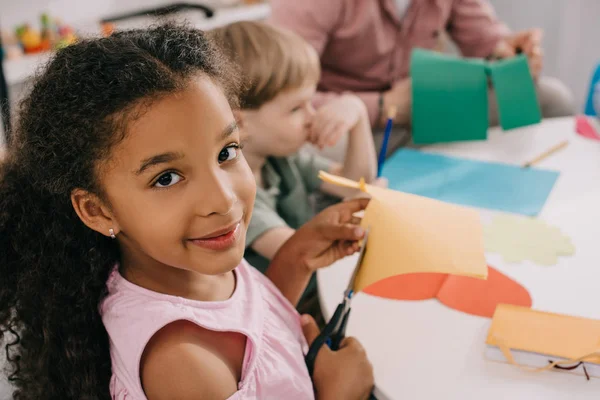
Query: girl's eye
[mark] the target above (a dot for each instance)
(296, 109)
(229, 153)
(167, 179)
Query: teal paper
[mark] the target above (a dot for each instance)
(515, 92)
(450, 98)
(478, 184)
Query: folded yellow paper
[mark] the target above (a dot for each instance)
(411, 234)
(548, 336)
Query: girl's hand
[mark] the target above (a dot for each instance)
(342, 374)
(331, 235)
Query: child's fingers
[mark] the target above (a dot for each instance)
(343, 232)
(349, 248)
(309, 328)
(312, 134)
(321, 120)
(314, 139)
(355, 220)
(338, 250)
(353, 344)
(332, 135)
(327, 131)
(353, 206)
(381, 182)
(318, 130)
(337, 135)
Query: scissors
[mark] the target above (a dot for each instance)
(335, 330)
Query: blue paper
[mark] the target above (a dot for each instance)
(478, 184)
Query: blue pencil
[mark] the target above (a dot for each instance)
(386, 138)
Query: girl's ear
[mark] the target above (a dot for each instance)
(93, 212)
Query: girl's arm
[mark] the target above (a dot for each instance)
(328, 237)
(183, 361)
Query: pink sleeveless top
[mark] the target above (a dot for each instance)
(273, 365)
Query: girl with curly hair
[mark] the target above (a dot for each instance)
(124, 204)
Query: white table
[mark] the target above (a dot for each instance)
(424, 350)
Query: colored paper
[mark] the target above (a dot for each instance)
(478, 297)
(409, 287)
(472, 183)
(585, 128)
(472, 296)
(531, 337)
(520, 239)
(410, 234)
(449, 98)
(515, 92)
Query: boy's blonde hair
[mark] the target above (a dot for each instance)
(271, 60)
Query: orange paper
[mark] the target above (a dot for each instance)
(522, 329)
(414, 234)
(408, 287)
(469, 295)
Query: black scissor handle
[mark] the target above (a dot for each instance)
(331, 337)
(323, 338)
(340, 334)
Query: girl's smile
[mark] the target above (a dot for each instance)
(221, 239)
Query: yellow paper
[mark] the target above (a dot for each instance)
(410, 234)
(521, 328)
(523, 238)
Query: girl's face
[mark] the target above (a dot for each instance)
(180, 191)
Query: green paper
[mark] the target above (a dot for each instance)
(515, 92)
(450, 96)
(450, 99)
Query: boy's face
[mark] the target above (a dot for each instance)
(281, 126)
(180, 191)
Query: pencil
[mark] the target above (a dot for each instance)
(547, 153)
(386, 137)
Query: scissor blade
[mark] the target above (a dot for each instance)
(361, 256)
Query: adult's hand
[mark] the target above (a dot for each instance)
(528, 42)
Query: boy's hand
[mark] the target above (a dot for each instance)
(342, 374)
(331, 235)
(400, 97)
(380, 182)
(336, 118)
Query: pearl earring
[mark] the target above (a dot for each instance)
(111, 231)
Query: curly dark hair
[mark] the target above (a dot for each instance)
(53, 269)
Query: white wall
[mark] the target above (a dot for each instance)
(571, 36)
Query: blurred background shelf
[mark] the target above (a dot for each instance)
(19, 70)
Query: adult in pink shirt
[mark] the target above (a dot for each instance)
(365, 46)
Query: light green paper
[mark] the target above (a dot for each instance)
(450, 100)
(515, 93)
(519, 239)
